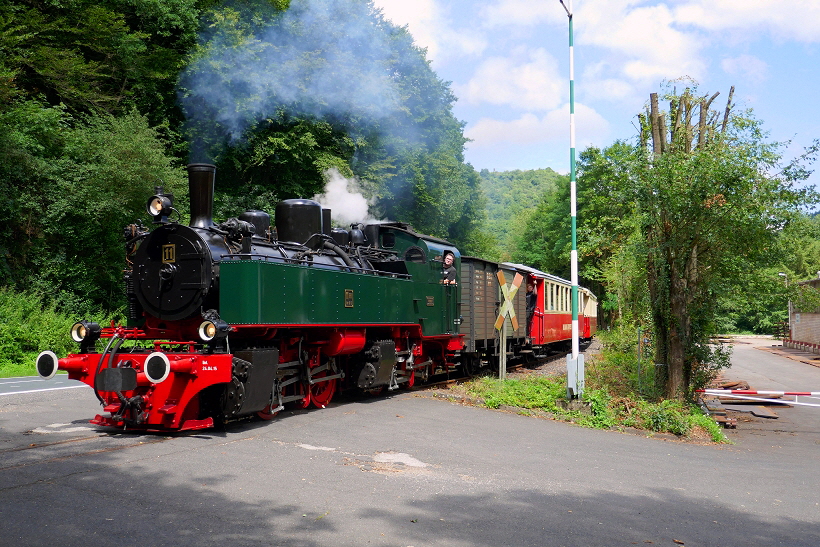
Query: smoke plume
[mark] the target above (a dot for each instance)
(321, 58)
(342, 196)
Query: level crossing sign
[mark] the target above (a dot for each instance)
(508, 293)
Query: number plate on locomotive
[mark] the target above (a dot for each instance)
(169, 253)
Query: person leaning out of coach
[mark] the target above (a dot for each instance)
(448, 276)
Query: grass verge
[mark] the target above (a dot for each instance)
(547, 396)
(29, 326)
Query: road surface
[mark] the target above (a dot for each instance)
(404, 470)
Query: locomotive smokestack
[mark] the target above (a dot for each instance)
(201, 177)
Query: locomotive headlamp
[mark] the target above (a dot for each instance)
(213, 330)
(85, 331)
(159, 206)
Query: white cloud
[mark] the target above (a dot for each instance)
(522, 13)
(611, 89)
(644, 40)
(746, 65)
(792, 20)
(529, 129)
(432, 29)
(420, 16)
(533, 83)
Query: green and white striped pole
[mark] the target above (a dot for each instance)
(575, 363)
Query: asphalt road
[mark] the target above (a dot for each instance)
(404, 470)
(797, 428)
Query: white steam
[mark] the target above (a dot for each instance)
(322, 58)
(344, 199)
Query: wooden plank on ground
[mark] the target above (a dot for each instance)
(763, 412)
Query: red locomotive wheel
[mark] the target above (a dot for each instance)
(266, 413)
(322, 393)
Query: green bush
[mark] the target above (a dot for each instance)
(611, 392)
(602, 414)
(668, 416)
(530, 393)
(27, 327)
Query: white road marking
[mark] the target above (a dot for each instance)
(55, 428)
(39, 390)
(311, 447)
(21, 380)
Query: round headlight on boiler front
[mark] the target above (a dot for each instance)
(159, 206)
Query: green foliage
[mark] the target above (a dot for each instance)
(707, 424)
(606, 411)
(697, 220)
(600, 404)
(29, 326)
(626, 366)
(31, 323)
(76, 160)
(74, 185)
(667, 416)
(94, 56)
(605, 231)
(545, 241)
(512, 196)
(531, 392)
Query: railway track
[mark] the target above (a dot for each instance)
(538, 363)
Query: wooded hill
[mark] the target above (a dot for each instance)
(512, 197)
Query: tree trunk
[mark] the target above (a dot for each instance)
(658, 298)
(657, 146)
(678, 332)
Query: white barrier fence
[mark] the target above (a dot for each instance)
(748, 395)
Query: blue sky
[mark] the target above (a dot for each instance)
(508, 62)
